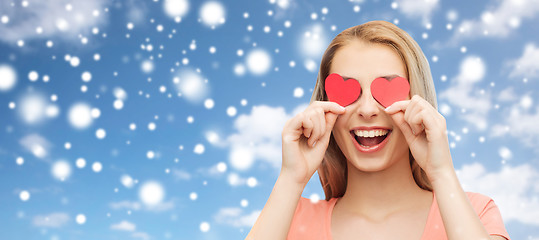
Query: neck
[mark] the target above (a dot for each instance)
(382, 192)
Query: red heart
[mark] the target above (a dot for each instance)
(340, 91)
(387, 92)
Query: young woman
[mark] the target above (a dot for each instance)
(387, 173)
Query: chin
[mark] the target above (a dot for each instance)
(369, 162)
(367, 165)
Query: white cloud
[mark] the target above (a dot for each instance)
(141, 235)
(498, 21)
(136, 10)
(214, 171)
(180, 174)
(284, 8)
(125, 205)
(135, 206)
(258, 136)
(36, 144)
(124, 226)
(53, 220)
(513, 188)
(418, 8)
(53, 17)
(527, 66)
(236, 217)
(313, 41)
(236, 180)
(161, 207)
(521, 124)
(507, 95)
(463, 95)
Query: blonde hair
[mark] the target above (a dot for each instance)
(333, 170)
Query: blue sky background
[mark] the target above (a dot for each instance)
(147, 120)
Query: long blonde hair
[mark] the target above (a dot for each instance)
(333, 170)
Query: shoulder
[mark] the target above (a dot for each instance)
(308, 209)
(480, 202)
(308, 204)
(477, 196)
(488, 213)
(311, 218)
(483, 206)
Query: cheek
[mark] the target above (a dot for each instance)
(337, 129)
(338, 123)
(398, 139)
(340, 129)
(340, 126)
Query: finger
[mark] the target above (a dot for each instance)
(432, 119)
(421, 114)
(292, 129)
(307, 127)
(330, 122)
(434, 127)
(397, 106)
(413, 117)
(416, 123)
(330, 107)
(322, 120)
(316, 129)
(398, 120)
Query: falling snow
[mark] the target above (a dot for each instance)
(8, 78)
(258, 61)
(24, 195)
(117, 116)
(61, 170)
(151, 193)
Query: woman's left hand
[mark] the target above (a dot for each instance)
(425, 131)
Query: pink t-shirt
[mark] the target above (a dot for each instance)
(313, 220)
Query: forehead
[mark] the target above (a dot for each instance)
(361, 60)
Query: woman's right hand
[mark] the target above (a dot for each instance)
(305, 139)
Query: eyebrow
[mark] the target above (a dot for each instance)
(388, 77)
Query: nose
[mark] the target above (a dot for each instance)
(367, 107)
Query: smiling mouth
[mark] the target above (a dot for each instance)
(370, 138)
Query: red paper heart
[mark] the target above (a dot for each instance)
(340, 91)
(387, 92)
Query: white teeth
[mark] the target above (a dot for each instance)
(371, 133)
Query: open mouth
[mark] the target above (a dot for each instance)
(370, 140)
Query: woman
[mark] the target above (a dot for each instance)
(398, 185)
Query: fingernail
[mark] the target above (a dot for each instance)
(387, 108)
(343, 108)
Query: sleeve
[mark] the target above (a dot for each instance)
(307, 222)
(296, 226)
(491, 217)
